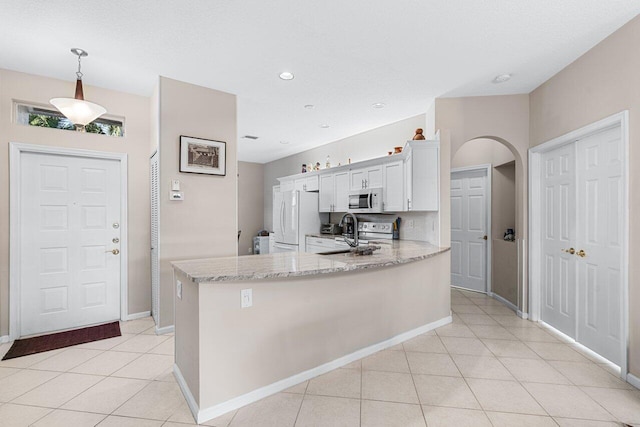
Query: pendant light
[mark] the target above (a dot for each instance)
(77, 110)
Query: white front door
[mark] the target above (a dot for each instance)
(469, 229)
(70, 234)
(558, 206)
(600, 236)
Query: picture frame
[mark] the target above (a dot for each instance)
(203, 156)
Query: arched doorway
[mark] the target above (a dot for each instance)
(488, 171)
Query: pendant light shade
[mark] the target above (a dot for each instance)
(77, 110)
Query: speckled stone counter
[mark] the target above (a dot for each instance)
(292, 264)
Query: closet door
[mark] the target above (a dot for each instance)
(557, 210)
(599, 243)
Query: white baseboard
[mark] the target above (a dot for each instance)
(165, 330)
(135, 316)
(633, 380)
(203, 415)
(4, 339)
(191, 401)
(522, 315)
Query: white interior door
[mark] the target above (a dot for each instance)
(290, 219)
(600, 237)
(558, 206)
(469, 229)
(70, 215)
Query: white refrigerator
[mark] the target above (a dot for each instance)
(295, 214)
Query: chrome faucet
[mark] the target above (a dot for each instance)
(354, 243)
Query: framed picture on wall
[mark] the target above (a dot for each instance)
(204, 156)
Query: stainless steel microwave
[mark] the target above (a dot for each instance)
(367, 200)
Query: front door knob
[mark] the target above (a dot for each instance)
(569, 251)
(114, 251)
(581, 253)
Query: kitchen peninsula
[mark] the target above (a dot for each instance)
(309, 314)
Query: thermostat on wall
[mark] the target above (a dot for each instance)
(176, 195)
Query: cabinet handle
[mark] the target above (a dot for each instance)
(408, 204)
(366, 183)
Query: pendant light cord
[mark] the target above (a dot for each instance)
(79, 73)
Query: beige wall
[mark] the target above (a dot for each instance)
(135, 109)
(205, 223)
(503, 209)
(250, 204)
(502, 118)
(604, 81)
(363, 146)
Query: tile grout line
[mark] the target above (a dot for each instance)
(414, 384)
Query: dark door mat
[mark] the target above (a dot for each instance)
(34, 345)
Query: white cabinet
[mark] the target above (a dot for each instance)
(363, 178)
(393, 188)
(334, 192)
(286, 185)
(325, 201)
(306, 183)
(423, 176)
(341, 185)
(318, 244)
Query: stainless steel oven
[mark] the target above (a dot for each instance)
(366, 201)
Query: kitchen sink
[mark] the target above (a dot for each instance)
(359, 251)
(339, 251)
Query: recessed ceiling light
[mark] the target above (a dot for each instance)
(284, 142)
(324, 126)
(502, 78)
(285, 75)
(378, 105)
(309, 106)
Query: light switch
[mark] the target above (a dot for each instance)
(175, 185)
(246, 298)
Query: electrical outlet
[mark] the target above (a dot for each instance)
(246, 298)
(250, 250)
(410, 223)
(179, 289)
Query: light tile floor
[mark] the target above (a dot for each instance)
(487, 368)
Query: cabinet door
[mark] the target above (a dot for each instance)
(356, 179)
(287, 185)
(326, 196)
(299, 184)
(393, 189)
(374, 177)
(341, 193)
(425, 173)
(408, 171)
(311, 183)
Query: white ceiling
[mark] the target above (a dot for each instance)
(345, 54)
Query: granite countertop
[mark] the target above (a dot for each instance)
(324, 236)
(293, 264)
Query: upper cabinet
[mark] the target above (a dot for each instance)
(363, 178)
(334, 192)
(393, 188)
(422, 175)
(410, 181)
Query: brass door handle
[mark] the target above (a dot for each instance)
(114, 251)
(569, 251)
(483, 237)
(581, 253)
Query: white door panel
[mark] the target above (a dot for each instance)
(558, 236)
(599, 222)
(68, 277)
(468, 229)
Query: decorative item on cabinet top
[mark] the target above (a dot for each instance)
(418, 136)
